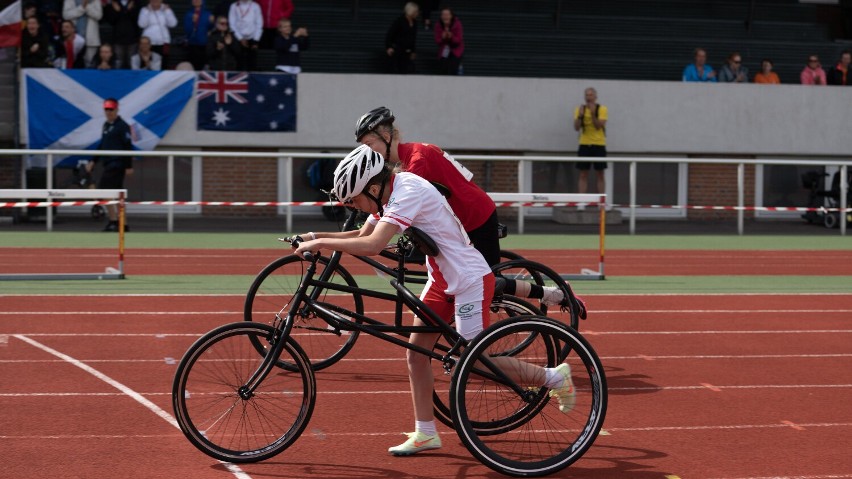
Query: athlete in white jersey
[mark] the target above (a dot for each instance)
(460, 286)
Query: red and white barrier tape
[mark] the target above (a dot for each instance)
(506, 204)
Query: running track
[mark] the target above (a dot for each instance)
(710, 387)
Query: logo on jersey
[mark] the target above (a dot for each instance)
(466, 308)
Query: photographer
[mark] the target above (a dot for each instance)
(590, 120)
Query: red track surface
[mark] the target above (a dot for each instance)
(618, 262)
(707, 387)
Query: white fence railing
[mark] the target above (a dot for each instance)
(523, 162)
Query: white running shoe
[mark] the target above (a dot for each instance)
(553, 296)
(417, 441)
(565, 394)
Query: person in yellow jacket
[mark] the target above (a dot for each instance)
(590, 120)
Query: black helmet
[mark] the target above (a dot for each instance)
(371, 120)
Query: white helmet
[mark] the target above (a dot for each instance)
(355, 171)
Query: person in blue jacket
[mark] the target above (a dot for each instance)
(699, 71)
(196, 24)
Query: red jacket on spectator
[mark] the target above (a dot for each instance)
(456, 43)
(274, 10)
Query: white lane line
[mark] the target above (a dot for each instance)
(407, 391)
(324, 433)
(642, 357)
(597, 311)
(629, 295)
(830, 476)
(235, 470)
(586, 332)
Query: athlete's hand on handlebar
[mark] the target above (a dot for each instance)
(305, 248)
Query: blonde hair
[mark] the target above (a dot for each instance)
(411, 9)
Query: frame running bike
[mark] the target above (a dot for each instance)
(325, 344)
(234, 402)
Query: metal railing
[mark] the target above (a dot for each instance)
(522, 161)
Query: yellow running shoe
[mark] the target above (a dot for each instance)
(565, 394)
(417, 441)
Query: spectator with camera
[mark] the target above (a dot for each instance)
(590, 120)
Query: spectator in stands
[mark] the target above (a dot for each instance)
(273, 12)
(197, 24)
(28, 9)
(69, 48)
(246, 21)
(86, 15)
(839, 74)
(401, 41)
(155, 20)
(699, 71)
(116, 136)
(766, 75)
(733, 71)
(105, 59)
(288, 46)
(35, 47)
(450, 39)
(123, 15)
(223, 50)
(590, 120)
(813, 74)
(146, 58)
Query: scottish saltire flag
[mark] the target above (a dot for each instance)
(258, 102)
(64, 108)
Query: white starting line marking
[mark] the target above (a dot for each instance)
(235, 470)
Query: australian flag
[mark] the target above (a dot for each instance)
(258, 102)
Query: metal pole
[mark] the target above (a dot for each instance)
(170, 179)
(844, 194)
(740, 197)
(49, 184)
(632, 197)
(521, 182)
(288, 194)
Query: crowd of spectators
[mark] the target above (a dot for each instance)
(733, 71)
(67, 35)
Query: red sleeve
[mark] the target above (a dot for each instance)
(287, 8)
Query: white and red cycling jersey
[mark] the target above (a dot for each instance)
(414, 201)
(469, 202)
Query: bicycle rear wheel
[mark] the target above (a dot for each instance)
(502, 308)
(537, 273)
(271, 293)
(213, 415)
(536, 439)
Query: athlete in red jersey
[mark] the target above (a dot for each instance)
(471, 204)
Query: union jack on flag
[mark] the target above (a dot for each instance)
(223, 85)
(231, 101)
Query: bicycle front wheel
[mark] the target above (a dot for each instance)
(270, 296)
(231, 427)
(535, 437)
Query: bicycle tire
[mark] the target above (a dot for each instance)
(542, 275)
(217, 420)
(502, 308)
(546, 440)
(271, 292)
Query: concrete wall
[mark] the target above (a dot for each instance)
(533, 115)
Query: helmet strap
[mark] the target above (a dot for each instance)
(378, 200)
